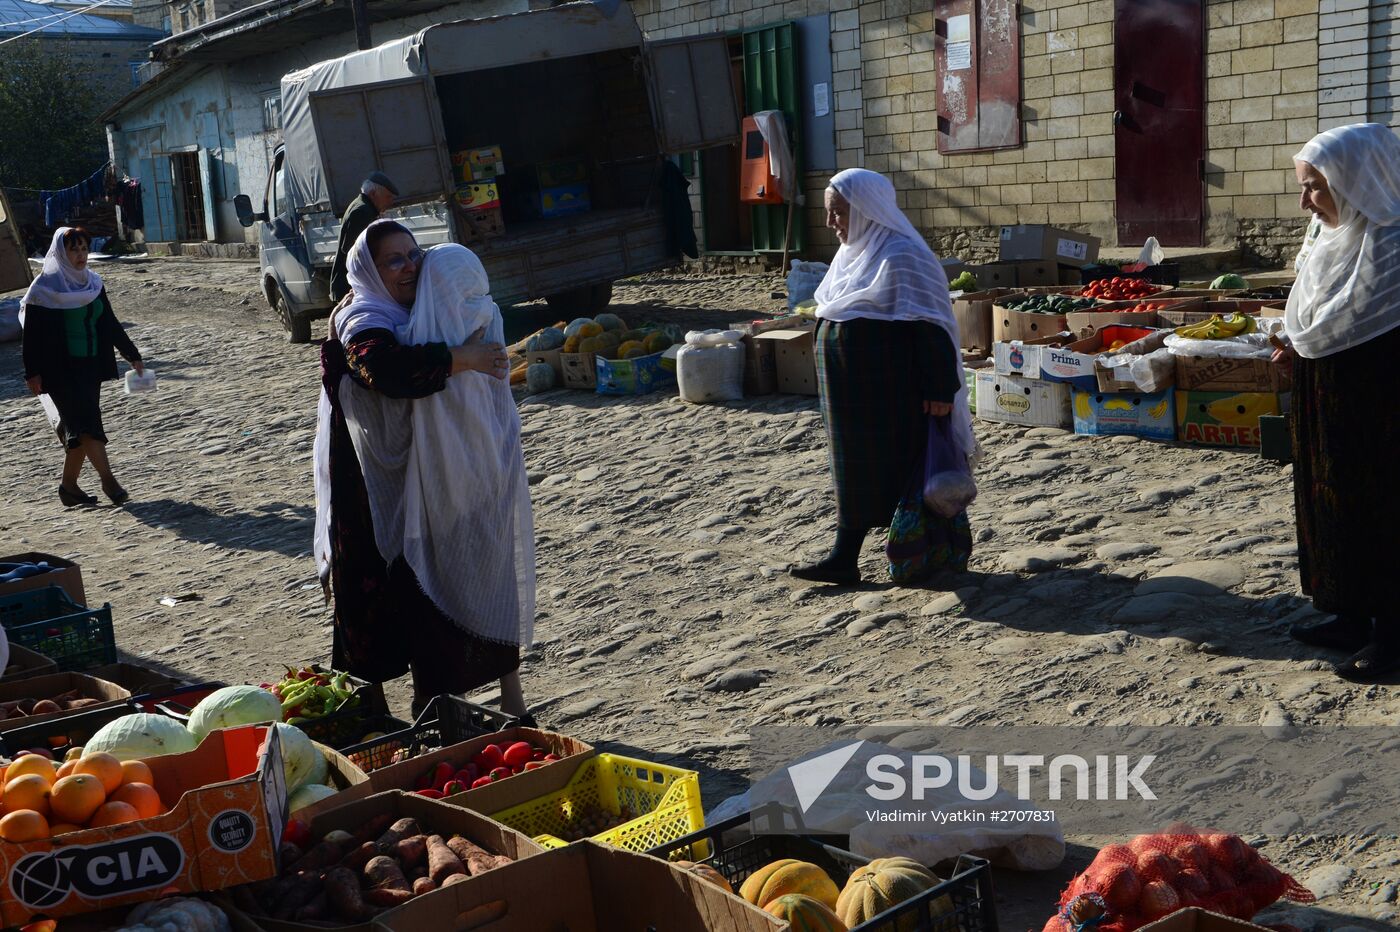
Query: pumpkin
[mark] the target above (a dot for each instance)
(805, 914)
(610, 322)
(657, 342)
(706, 872)
(571, 343)
(780, 878)
(609, 339)
(883, 884)
(589, 329)
(539, 377)
(550, 338)
(590, 345)
(577, 324)
(631, 348)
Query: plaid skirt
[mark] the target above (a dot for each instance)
(873, 411)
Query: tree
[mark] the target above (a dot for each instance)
(49, 134)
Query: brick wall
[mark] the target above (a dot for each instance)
(105, 63)
(1359, 67)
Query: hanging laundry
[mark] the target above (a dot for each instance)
(60, 205)
(128, 198)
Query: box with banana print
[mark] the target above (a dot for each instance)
(1136, 414)
(1224, 419)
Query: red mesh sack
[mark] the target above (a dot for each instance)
(1128, 886)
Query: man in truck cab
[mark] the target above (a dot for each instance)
(377, 195)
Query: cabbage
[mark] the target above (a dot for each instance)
(308, 795)
(142, 734)
(301, 761)
(233, 706)
(1230, 281)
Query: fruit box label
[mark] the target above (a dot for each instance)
(1222, 419)
(1135, 414)
(1013, 400)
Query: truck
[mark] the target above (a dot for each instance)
(581, 112)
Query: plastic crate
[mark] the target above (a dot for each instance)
(668, 797)
(349, 726)
(446, 721)
(961, 903)
(47, 621)
(58, 735)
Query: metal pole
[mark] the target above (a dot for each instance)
(362, 39)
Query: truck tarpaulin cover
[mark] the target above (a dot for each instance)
(446, 48)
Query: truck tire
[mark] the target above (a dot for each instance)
(583, 300)
(298, 326)
(600, 297)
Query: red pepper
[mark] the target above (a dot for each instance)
(535, 764)
(500, 773)
(453, 787)
(430, 793)
(482, 781)
(441, 774)
(297, 832)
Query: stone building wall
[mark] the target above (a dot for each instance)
(1359, 51)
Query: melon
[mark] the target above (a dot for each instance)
(630, 349)
(539, 377)
(589, 329)
(883, 884)
(309, 794)
(571, 343)
(788, 875)
(805, 914)
(610, 322)
(658, 342)
(141, 735)
(609, 339)
(550, 338)
(575, 325)
(232, 706)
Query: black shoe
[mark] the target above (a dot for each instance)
(1345, 632)
(116, 493)
(1372, 664)
(827, 571)
(74, 499)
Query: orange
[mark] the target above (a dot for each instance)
(114, 814)
(63, 828)
(31, 763)
(104, 767)
(24, 826)
(30, 791)
(136, 771)
(75, 798)
(142, 797)
(65, 768)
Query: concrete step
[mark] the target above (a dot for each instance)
(204, 250)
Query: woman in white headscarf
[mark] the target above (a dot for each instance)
(887, 363)
(1343, 329)
(71, 338)
(423, 532)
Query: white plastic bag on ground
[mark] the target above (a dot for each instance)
(710, 367)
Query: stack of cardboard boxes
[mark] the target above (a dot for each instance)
(475, 172)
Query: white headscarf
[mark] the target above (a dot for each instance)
(371, 306)
(1348, 286)
(885, 271)
(445, 474)
(61, 285)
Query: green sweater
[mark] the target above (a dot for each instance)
(80, 330)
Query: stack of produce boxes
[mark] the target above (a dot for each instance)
(476, 172)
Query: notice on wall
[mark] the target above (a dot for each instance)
(960, 42)
(821, 100)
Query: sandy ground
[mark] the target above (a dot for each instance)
(662, 530)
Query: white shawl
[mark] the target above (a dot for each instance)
(60, 285)
(885, 271)
(1348, 286)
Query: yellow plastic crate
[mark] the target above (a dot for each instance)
(669, 797)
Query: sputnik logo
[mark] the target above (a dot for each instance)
(810, 778)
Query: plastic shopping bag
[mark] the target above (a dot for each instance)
(948, 484)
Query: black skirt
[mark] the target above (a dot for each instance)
(1343, 489)
(77, 396)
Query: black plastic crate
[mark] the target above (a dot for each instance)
(60, 734)
(447, 720)
(48, 622)
(731, 849)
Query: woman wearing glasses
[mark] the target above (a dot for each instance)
(386, 622)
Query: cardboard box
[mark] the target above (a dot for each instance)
(552, 358)
(1014, 400)
(442, 818)
(225, 823)
(952, 267)
(1070, 275)
(1009, 324)
(1206, 309)
(1135, 414)
(974, 315)
(996, 275)
(637, 376)
(1195, 919)
(579, 370)
(561, 172)
(67, 576)
(498, 796)
(760, 356)
(1229, 374)
(591, 888)
(1121, 312)
(1053, 359)
(1136, 341)
(564, 200)
(478, 195)
(474, 226)
(53, 684)
(25, 663)
(108, 919)
(795, 360)
(1037, 272)
(137, 678)
(1036, 241)
(1222, 419)
(483, 163)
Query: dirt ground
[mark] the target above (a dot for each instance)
(662, 531)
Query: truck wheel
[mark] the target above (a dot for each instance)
(571, 303)
(600, 297)
(298, 325)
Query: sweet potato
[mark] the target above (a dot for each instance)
(373, 828)
(357, 859)
(303, 890)
(442, 862)
(388, 896)
(383, 873)
(343, 893)
(403, 828)
(412, 851)
(324, 854)
(455, 878)
(425, 885)
(476, 858)
(288, 854)
(319, 908)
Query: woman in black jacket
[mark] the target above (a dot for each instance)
(71, 338)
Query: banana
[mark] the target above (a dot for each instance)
(1218, 328)
(1159, 409)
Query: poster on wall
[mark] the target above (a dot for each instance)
(960, 43)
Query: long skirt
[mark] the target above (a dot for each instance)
(77, 397)
(1344, 436)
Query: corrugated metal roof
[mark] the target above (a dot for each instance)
(20, 16)
(74, 4)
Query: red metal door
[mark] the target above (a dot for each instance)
(1159, 136)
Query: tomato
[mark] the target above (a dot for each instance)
(500, 773)
(297, 832)
(453, 787)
